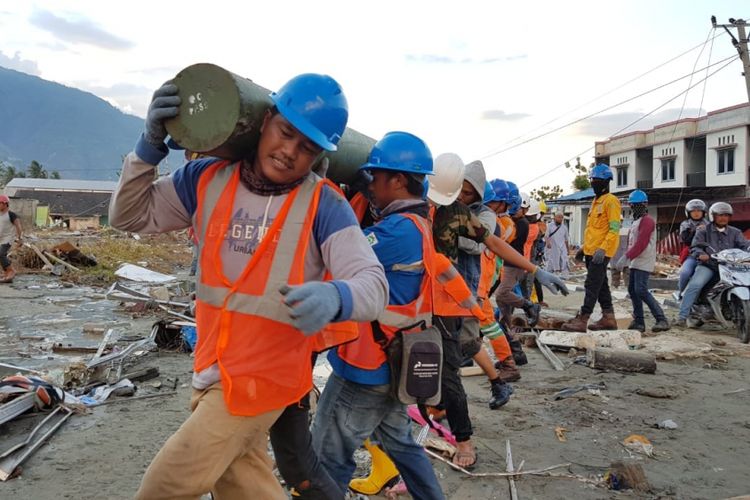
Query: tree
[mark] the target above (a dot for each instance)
(581, 179)
(35, 170)
(8, 173)
(547, 193)
(54, 174)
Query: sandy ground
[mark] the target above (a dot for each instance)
(104, 453)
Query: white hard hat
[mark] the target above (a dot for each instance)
(525, 200)
(534, 208)
(445, 184)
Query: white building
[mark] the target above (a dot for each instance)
(706, 158)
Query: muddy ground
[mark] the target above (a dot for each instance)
(104, 453)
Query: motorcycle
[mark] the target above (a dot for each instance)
(727, 298)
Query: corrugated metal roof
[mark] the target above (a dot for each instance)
(62, 184)
(577, 196)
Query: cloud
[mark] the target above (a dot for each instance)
(24, 65)
(127, 97)
(500, 115)
(621, 123)
(78, 31)
(441, 59)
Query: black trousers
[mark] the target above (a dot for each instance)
(453, 394)
(4, 260)
(597, 287)
(296, 459)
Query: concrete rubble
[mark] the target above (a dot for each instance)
(119, 350)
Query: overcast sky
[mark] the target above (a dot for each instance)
(468, 77)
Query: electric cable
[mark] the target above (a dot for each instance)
(734, 58)
(608, 108)
(659, 66)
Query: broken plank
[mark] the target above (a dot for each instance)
(60, 261)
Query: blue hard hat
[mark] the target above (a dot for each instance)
(501, 190)
(489, 193)
(402, 152)
(316, 106)
(601, 171)
(514, 198)
(637, 196)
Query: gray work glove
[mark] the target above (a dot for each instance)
(164, 105)
(312, 305)
(622, 263)
(552, 282)
(598, 256)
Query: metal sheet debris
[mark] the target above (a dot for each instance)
(143, 275)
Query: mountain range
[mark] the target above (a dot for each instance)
(65, 129)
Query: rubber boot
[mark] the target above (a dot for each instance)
(607, 322)
(532, 312)
(518, 355)
(382, 473)
(577, 324)
(507, 370)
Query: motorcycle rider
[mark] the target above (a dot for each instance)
(695, 211)
(713, 238)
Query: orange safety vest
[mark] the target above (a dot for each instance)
(360, 205)
(451, 294)
(507, 228)
(368, 351)
(244, 326)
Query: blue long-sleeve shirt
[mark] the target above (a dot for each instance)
(398, 245)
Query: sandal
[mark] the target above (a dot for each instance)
(463, 454)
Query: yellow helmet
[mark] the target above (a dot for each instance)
(542, 207)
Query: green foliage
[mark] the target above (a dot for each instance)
(54, 174)
(581, 182)
(547, 193)
(8, 173)
(35, 170)
(581, 179)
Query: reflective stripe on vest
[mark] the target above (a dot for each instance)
(243, 326)
(367, 352)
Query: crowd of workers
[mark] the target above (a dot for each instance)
(417, 244)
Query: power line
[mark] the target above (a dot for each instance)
(659, 66)
(733, 58)
(692, 145)
(684, 100)
(557, 129)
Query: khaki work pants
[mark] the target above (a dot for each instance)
(214, 451)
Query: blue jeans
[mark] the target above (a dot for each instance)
(701, 277)
(686, 272)
(638, 290)
(348, 413)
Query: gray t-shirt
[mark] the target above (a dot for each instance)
(7, 227)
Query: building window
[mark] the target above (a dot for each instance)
(725, 161)
(622, 177)
(667, 170)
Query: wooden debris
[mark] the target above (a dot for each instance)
(509, 468)
(560, 434)
(60, 261)
(551, 357)
(620, 360)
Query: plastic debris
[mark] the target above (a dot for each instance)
(667, 424)
(639, 444)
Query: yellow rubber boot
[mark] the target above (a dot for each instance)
(382, 472)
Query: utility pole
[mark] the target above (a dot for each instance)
(740, 45)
